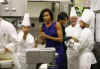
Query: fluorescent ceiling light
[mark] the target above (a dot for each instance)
(2, 1)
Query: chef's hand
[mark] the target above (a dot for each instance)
(76, 40)
(6, 50)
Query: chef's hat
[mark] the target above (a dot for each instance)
(73, 12)
(26, 20)
(86, 16)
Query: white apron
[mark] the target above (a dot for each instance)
(71, 52)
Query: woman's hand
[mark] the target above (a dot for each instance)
(43, 35)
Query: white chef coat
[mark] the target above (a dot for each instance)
(73, 31)
(8, 35)
(85, 49)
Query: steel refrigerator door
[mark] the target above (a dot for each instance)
(97, 32)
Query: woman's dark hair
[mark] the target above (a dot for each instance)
(62, 15)
(42, 12)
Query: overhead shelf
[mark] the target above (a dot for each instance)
(45, 0)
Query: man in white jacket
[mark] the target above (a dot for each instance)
(26, 41)
(86, 42)
(72, 30)
(8, 36)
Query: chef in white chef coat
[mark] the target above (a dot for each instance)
(24, 33)
(73, 30)
(26, 41)
(8, 39)
(8, 35)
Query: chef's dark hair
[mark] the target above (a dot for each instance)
(42, 12)
(61, 16)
